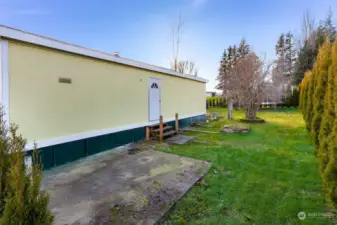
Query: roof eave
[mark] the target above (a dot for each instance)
(23, 36)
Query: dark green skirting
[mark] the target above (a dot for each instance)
(57, 155)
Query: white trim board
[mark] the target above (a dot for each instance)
(4, 78)
(20, 35)
(80, 136)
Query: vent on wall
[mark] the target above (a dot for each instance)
(64, 80)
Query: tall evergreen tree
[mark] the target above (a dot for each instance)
(285, 63)
(243, 49)
(280, 54)
(280, 46)
(289, 55)
(304, 62)
(279, 77)
(234, 56)
(230, 53)
(227, 65)
(222, 70)
(323, 63)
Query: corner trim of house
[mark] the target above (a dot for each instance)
(67, 47)
(4, 80)
(75, 137)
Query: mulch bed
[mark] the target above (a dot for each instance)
(257, 120)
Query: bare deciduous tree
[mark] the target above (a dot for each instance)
(176, 40)
(278, 82)
(308, 31)
(247, 83)
(181, 66)
(187, 67)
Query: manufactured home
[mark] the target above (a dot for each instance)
(74, 101)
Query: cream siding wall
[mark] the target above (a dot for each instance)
(102, 94)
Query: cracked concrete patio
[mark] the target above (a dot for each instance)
(116, 187)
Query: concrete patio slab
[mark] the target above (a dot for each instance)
(120, 188)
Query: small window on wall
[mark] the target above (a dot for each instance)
(154, 85)
(64, 80)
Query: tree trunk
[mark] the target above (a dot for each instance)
(251, 112)
(230, 109)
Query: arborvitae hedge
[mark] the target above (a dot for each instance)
(309, 95)
(322, 64)
(319, 94)
(327, 121)
(304, 87)
(216, 101)
(328, 157)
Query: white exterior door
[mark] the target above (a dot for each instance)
(154, 99)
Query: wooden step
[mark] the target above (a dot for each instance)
(159, 130)
(169, 133)
(166, 128)
(156, 126)
(154, 131)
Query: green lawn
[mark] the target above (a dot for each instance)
(264, 177)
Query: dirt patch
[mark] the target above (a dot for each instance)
(256, 120)
(145, 206)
